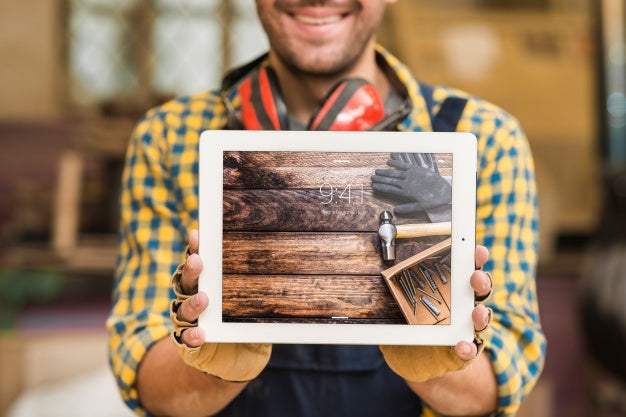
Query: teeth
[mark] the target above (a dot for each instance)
(318, 20)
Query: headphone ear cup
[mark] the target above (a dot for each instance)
(352, 105)
(262, 105)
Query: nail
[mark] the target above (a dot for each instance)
(486, 284)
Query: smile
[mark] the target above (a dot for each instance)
(317, 20)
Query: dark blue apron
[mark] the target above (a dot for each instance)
(325, 380)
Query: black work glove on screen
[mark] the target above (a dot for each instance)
(415, 179)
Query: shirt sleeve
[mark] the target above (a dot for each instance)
(151, 242)
(507, 224)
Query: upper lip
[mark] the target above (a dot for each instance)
(326, 12)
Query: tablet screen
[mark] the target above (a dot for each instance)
(301, 241)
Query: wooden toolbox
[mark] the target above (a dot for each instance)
(421, 285)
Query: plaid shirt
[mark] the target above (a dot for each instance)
(159, 205)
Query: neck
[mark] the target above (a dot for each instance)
(303, 92)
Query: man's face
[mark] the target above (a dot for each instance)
(320, 37)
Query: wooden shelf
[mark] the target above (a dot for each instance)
(91, 255)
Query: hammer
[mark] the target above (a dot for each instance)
(388, 233)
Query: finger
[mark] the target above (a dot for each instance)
(405, 157)
(411, 169)
(481, 256)
(193, 337)
(191, 272)
(396, 156)
(386, 188)
(432, 163)
(466, 350)
(481, 283)
(408, 208)
(390, 173)
(481, 316)
(399, 164)
(191, 308)
(415, 158)
(420, 159)
(193, 241)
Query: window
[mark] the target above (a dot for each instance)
(137, 49)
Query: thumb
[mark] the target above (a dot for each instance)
(193, 241)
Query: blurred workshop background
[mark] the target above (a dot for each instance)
(77, 74)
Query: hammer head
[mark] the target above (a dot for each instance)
(387, 234)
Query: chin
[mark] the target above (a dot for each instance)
(321, 61)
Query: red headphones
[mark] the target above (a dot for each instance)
(352, 104)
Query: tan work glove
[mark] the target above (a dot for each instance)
(235, 362)
(420, 363)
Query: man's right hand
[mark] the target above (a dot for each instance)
(228, 361)
(191, 308)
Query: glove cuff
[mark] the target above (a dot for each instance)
(234, 362)
(179, 325)
(421, 363)
(175, 282)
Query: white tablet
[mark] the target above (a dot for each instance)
(337, 237)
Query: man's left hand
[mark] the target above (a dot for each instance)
(420, 363)
(482, 284)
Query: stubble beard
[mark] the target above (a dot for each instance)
(321, 62)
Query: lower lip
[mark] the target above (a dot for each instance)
(317, 29)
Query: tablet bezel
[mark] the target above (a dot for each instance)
(462, 146)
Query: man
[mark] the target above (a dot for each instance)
(313, 45)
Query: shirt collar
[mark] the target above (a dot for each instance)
(418, 119)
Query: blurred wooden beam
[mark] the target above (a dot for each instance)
(67, 202)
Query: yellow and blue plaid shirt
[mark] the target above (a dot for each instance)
(159, 206)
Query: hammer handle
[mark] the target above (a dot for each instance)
(424, 229)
